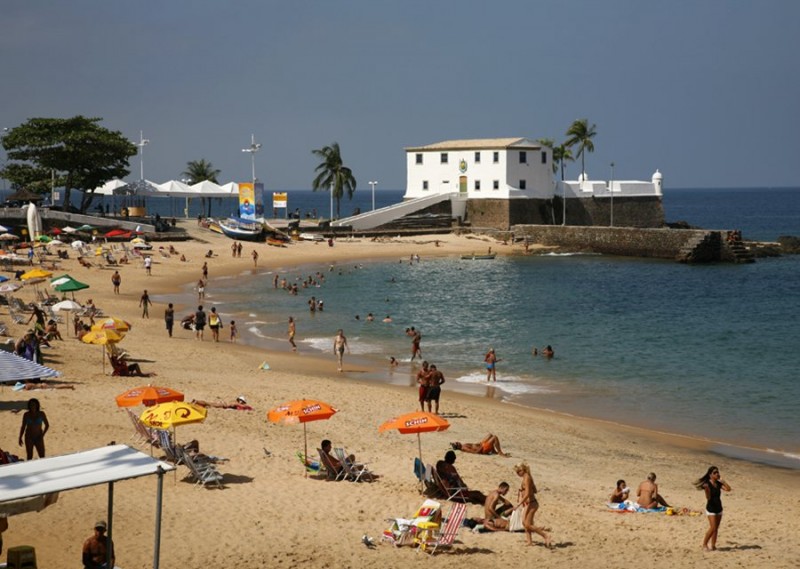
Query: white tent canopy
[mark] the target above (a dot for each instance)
(175, 188)
(104, 465)
(108, 188)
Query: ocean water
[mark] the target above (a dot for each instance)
(709, 350)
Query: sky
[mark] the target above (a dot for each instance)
(706, 91)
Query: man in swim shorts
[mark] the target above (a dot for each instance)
(435, 382)
(423, 379)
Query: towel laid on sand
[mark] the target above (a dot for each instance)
(633, 507)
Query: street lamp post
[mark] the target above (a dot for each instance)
(372, 185)
(611, 190)
(141, 144)
(252, 149)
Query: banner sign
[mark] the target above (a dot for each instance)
(279, 199)
(247, 201)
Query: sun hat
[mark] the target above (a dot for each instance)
(100, 525)
(242, 399)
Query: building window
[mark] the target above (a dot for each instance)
(477, 158)
(419, 158)
(477, 185)
(544, 157)
(424, 185)
(495, 157)
(496, 185)
(523, 157)
(522, 184)
(443, 158)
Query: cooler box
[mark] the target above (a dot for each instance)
(21, 557)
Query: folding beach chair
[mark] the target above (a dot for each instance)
(143, 434)
(204, 472)
(431, 539)
(454, 494)
(330, 469)
(403, 531)
(353, 471)
(311, 466)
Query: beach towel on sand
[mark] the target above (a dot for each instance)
(629, 506)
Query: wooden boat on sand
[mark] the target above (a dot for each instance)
(474, 257)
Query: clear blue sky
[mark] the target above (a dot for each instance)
(706, 91)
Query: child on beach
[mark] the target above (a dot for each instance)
(234, 332)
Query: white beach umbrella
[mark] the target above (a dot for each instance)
(6, 288)
(69, 230)
(77, 244)
(67, 306)
(3, 229)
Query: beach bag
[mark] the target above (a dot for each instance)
(515, 523)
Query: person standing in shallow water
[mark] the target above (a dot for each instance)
(339, 346)
(713, 485)
(491, 365)
(292, 330)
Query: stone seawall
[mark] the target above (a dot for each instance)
(628, 212)
(624, 241)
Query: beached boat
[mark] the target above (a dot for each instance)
(242, 229)
(213, 225)
(276, 242)
(474, 257)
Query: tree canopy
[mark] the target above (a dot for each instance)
(333, 175)
(82, 154)
(201, 170)
(581, 133)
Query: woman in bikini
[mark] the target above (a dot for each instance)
(34, 428)
(527, 500)
(489, 445)
(713, 486)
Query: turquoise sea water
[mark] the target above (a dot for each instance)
(709, 351)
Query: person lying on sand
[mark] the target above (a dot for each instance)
(239, 405)
(30, 386)
(489, 445)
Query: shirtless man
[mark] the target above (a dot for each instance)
(423, 380)
(647, 495)
(292, 331)
(416, 338)
(435, 382)
(495, 507)
(98, 549)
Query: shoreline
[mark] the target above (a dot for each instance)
(270, 515)
(374, 366)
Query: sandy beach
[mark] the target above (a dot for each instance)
(270, 515)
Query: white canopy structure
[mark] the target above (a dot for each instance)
(104, 465)
(108, 188)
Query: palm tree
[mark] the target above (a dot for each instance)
(198, 171)
(581, 133)
(333, 174)
(560, 154)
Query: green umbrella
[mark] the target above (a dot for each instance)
(66, 283)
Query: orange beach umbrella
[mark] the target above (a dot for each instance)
(417, 422)
(148, 395)
(302, 411)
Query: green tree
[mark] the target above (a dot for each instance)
(333, 175)
(581, 133)
(82, 154)
(199, 171)
(561, 154)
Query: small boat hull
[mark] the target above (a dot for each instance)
(478, 257)
(242, 231)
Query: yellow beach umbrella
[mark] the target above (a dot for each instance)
(113, 324)
(36, 273)
(102, 338)
(172, 414)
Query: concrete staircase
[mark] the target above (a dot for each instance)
(713, 246)
(389, 214)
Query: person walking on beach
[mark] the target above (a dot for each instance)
(416, 338)
(239, 250)
(233, 249)
(255, 258)
(169, 318)
(234, 331)
(205, 271)
(201, 289)
(148, 265)
(713, 486)
(491, 365)
(116, 280)
(292, 331)
(34, 428)
(145, 303)
(527, 500)
(214, 323)
(199, 323)
(339, 346)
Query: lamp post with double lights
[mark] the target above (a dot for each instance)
(372, 185)
(141, 144)
(252, 149)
